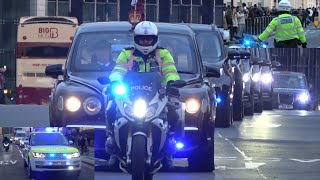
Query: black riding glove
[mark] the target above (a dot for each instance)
(304, 45)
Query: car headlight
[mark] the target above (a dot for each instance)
(140, 108)
(246, 77)
(266, 78)
(192, 106)
(256, 77)
(75, 155)
(303, 97)
(92, 105)
(73, 104)
(38, 155)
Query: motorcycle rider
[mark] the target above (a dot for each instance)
(289, 31)
(145, 56)
(5, 141)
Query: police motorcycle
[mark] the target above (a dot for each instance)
(141, 128)
(6, 146)
(249, 41)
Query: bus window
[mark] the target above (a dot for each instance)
(45, 51)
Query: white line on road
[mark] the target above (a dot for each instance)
(307, 161)
(249, 164)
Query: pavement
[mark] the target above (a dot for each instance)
(89, 159)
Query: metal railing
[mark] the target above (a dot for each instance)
(255, 26)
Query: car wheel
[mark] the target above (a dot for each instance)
(248, 111)
(268, 105)
(30, 171)
(259, 105)
(53, 121)
(224, 112)
(202, 158)
(25, 163)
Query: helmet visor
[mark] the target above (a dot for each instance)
(145, 40)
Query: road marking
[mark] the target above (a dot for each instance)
(8, 162)
(262, 125)
(250, 164)
(311, 160)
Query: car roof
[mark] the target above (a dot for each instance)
(126, 26)
(202, 27)
(288, 73)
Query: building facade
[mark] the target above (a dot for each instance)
(189, 11)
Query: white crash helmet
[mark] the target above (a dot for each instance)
(142, 30)
(284, 5)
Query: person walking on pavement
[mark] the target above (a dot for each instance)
(241, 21)
(304, 15)
(288, 28)
(2, 85)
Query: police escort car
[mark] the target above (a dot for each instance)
(50, 152)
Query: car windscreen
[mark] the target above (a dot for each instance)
(44, 139)
(289, 81)
(181, 48)
(21, 135)
(209, 46)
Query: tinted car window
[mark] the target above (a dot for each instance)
(289, 81)
(210, 46)
(180, 46)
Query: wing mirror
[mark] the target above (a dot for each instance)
(233, 54)
(244, 54)
(104, 80)
(212, 72)
(54, 70)
(70, 142)
(275, 64)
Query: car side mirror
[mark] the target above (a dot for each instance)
(233, 54)
(70, 142)
(54, 70)
(104, 80)
(244, 54)
(212, 72)
(310, 86)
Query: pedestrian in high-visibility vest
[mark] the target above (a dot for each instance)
(288, 28)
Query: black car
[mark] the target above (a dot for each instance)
(290, 91)
(77, 100)
(214, 57)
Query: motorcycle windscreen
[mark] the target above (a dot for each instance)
(142, 84)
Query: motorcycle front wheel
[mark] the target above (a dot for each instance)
(138, 157)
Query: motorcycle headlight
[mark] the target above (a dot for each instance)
(92, 105)
(303, 97)
(38, 155)
(73, 104)
(192, 106)
(256, 77)
(140, 108)
(266, 78)
(246, 77)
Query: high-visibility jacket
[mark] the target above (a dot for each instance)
(287, 27)
(161, 60)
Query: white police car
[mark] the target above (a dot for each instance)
(50, 152)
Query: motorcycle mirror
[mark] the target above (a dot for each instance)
(244, 54)
(104, 80)
(173, 91)
(179, 83)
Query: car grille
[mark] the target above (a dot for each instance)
(55, 156)
(285, 98)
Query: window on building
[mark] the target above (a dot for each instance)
(88, 11)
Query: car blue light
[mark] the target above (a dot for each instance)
(49, 129)
(264, 46)
(119, 89)
(179, 145)
(247, 42)
(218, 100)
(52, 155)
